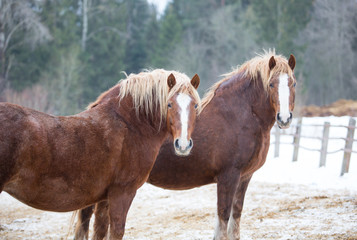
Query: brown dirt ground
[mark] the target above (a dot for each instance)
(339, 108)
(271, 211)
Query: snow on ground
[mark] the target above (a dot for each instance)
(285, 200)
(305, 170)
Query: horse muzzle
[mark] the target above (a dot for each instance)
(284, 123)
(183, 147)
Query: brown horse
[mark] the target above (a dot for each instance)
(232, 138)
(104, 153)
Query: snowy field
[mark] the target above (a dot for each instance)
(305, 170)
(285, 200)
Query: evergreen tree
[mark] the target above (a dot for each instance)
(60, 73)
(151, 38)
(137, 20)
(192, 13)
(169, 36)
(92, 41)
(217, 44)
(278, 23)
(329, 61)
(104, 55)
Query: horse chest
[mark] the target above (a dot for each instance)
(257, 158)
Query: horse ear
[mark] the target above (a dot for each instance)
(272, 63)
(292, 62)
(171, 81)
(195, 81)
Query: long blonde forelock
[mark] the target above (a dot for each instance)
(260, 65)
(150, 88)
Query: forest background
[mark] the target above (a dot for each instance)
(57, 56)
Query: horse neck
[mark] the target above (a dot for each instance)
(148, 125)
(262, 107)
(241, 92)
(109, 108)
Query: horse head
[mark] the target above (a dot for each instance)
(282, 92)
(181, 113)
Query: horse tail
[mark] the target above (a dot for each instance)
(71, 225)
(81, 231)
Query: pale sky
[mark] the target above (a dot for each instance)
(160, 4)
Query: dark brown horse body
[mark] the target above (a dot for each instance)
(67, 163)
(232, 138)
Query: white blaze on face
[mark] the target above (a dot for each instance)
(284, 94)
(184, 101)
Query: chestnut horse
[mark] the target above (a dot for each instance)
(104, 153)
(232, 138)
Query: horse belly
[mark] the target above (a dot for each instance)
(52, 194)
(179, 176)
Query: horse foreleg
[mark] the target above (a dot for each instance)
(82, 226)
(119, 204)
(234, 220)
(226, 186)
(101, 222)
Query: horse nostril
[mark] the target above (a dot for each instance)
(190, 143)
(177, 143)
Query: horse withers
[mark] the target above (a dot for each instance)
(232, 138)
(104, 153)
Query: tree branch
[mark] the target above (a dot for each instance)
(8, 38)
(11, 58)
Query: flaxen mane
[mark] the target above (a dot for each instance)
(149, 89)
(258, 65)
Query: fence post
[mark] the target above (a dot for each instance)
(297, 139)
(324, 144)
(277, 141)
(348, 146)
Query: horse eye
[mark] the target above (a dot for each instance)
(271, 85)
(196, 105)
(169, 105)
(294, 84)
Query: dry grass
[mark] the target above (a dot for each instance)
(339, 108)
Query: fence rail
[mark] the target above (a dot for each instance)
(348, 149)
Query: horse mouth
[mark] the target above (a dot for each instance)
(181, 153)
(284, 125)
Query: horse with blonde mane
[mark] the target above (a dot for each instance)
(102, 154)
(232, 138)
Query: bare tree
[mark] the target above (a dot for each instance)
(35, 97)
(16, 16)
(90, 11)
(63, 85)
(329, 59)
(216, 46)
(85, 24)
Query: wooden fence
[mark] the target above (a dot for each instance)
(348, 149)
